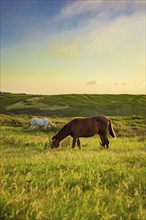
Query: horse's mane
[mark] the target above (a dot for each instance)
(63, 131)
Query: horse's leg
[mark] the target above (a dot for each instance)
(31, 127)
(46, 124)
(74, 142)
(79, 144)
(102, 140)
(106, 141)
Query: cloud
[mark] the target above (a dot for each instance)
(77, 8)
(115, 84)
(117, 34)
(101, 8)
(93, 82)
(97, 24)
(124, 83)
(119, 83)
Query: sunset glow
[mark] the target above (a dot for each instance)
(56, 47)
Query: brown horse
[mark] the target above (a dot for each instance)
(85, 127)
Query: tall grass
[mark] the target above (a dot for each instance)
(37, 183)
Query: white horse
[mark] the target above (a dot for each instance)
(40, 122)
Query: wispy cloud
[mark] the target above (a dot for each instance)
(102, 9)
(91, 82)
(78, 8)
(92, 21)
(119, 83)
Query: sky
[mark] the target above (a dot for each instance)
(73, 46)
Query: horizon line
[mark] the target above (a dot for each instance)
(23, 93)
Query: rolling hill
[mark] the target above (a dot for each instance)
(73, 105)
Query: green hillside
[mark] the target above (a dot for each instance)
(73, 105)
(92, 183)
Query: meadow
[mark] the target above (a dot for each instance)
(39, 183)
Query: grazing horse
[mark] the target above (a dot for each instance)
(85, 127)
(41, 122)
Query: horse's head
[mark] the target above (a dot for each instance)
(55, 142)
(53, 125)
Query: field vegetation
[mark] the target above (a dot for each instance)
(39, 183)
(73, 105)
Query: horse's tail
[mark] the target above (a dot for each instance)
(111, 130)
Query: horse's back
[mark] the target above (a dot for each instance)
(39, 121)
(84, 127)
(89, 126)
(90, 121)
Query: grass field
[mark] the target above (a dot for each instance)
(66, 184)
(73, 105)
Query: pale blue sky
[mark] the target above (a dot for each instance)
(55, 47)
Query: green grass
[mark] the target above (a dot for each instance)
(66, 184)
(73, 105)
(125, 126)
(37, 183)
